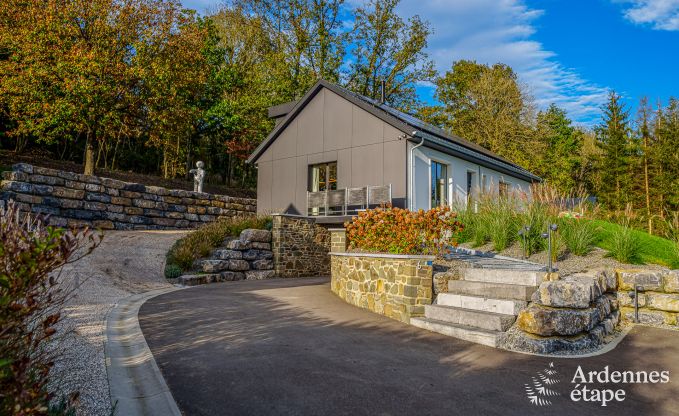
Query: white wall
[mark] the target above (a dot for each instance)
(457, 177)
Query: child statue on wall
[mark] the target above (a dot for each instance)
(198, 176)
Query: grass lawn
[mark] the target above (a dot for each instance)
(654, 250)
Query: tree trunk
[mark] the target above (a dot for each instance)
(648, 193)
(89, 155)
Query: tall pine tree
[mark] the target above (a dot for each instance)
(615, 142)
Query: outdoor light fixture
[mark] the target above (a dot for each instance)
(548, 235)
(635, 295)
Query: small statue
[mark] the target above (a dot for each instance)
(198, 176)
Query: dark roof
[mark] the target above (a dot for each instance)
(415, 128)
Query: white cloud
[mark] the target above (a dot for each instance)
(660, 14)
(491, 31)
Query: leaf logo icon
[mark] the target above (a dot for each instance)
(537, 391)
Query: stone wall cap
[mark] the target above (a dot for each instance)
(384, 255)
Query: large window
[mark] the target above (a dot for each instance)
(323, 177)
(439, 184)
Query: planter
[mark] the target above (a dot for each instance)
(397, 286)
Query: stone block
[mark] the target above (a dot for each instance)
(89, 179)
(68, 193)
(164, 222)
(20, 187)
(613, 299)
(74, 185)
(625, 298)
(228, 254)
(134, 187)
(94, 206)
(157, 190)
(663, 302)
(262, 265)
(33, 199)
(22, 167)
(650, 317)
(97, 197)
(648, 280)
(259, 274)
(237, 245)
(143, 203)
(130, 194)
(566, 293)
(260, 246)
(15, 176)
(45, 210)
(671, 281)
(133, 211)
(232, 276)
(252, 235)
(174, 215)
(69, 176)
(112, 183)
(213, 266)
(115, 208)
(46, 180)
(237, 265)
(544, 321)
(137, 219)
(93, 187)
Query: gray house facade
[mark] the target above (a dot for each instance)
(334, 151)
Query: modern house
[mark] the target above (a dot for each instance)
(335, 151)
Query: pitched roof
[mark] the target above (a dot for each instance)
(415, 128)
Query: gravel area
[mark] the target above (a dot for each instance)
(126, 262)
(569, 263)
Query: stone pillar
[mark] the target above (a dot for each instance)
(338, 240)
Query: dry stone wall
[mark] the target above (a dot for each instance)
(658, 295)
(73, 199)
(300, 247)
(395, 286)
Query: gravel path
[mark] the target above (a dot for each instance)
(126, 262)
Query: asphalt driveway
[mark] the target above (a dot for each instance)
(291, 347)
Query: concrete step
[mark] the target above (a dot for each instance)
(468, 317)
(479, 336)
(504, 276)
(481, 303)
(491, 290)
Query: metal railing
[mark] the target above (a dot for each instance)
(347, 201)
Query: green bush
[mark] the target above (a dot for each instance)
(202, 241)
(172, 271)
(536, 217)
(625, 245)
(500, 223)
(579, 235)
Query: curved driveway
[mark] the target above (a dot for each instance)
(290, 347)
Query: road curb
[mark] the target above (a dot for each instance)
(135, 383)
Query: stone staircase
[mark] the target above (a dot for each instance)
(482, 306)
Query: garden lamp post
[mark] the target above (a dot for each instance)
(523, 232)
(548, 236)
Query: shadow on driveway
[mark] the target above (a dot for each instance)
(290, 346)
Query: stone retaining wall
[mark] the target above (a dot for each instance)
(73, 199)
(395, 286)
(300, 247)
(658, 298)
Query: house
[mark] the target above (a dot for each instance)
(334, 152)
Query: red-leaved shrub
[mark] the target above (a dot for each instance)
(30, 303)
(400, 231)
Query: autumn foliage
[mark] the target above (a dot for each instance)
(400, 231)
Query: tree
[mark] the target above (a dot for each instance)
(666, 157)
(390, 49)
(644, 123)
(613, 138)
(486, 105)
(95, 70)
(563, 142)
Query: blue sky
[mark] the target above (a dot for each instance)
(570, 52)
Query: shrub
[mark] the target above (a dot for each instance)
(579, 235)
(625, 245)
(536, 217)
(400, 231)
(202, 241)
(30, 301)
(172, 271)
(500, 222)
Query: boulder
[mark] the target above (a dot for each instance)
(517, 340)
(232, 276)
(262, 265)
(236, 265)
(566, 294)
(260, 246)
(606, 278)
(593, 281)
(197, 279)
(663, 302)
(237, 245)
(544, 321)
(259, 274)
(257, 255)
(251, 235)
(225, 254)
(650, 317)
(648, 280)
(214, 266)
(671, 281)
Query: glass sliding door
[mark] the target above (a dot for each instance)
(439, 184)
